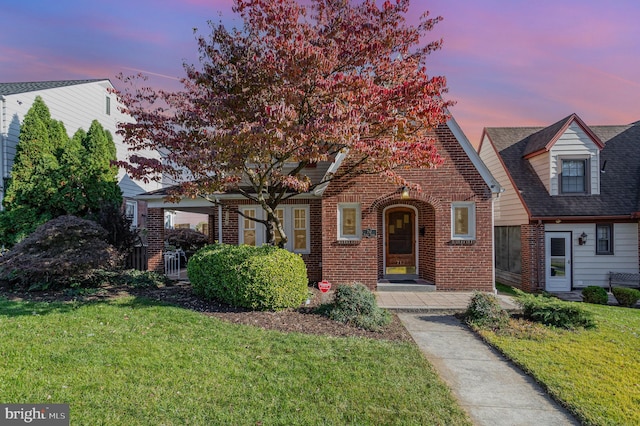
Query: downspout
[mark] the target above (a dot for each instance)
(3, 145)
(493, 242)
(219, 220)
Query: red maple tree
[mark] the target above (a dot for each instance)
(296, 85)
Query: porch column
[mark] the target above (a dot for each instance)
(532, 254)
(155, 238)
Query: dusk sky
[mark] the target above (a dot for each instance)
(507, 62)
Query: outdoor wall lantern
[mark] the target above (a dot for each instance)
(405, 193)
(582, 239)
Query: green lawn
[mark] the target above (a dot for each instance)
(595, 373)
(136, 362)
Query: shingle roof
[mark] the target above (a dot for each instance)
(619, 182)
(32, 86)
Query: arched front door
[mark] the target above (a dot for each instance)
(400, 241)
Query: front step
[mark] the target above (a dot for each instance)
(408, 286)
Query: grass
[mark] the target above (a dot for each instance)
(137, 362)
(506, 289)
(594, 373)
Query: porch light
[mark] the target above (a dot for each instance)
(582, 239)
(405, 193)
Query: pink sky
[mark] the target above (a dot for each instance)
(507, 62)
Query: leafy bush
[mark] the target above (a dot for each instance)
(626, 296)
(60, 253)
(554, 312)
(261, 278)
(595, 294)
(484, 310)
(118, 226)
(355, 304)
(186, 239)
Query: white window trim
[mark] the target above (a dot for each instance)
(472, 220)
(134, 217)
(261, 237)
(358, 236)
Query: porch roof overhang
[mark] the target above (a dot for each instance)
(158, 199)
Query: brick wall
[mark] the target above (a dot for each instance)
(155, 239)
(532, 254)
(449, 265)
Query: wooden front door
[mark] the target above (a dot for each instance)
(400, 241)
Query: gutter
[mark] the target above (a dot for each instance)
(576, 219)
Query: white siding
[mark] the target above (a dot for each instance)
(540, 164)
(591, 269)
(508, 208)
(76, 106)
(575, 143)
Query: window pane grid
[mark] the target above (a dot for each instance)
(300, 229)
(573, 176)
(603, 239)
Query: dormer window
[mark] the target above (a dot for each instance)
(574, 176)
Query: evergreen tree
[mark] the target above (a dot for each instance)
(55, 175)
(100, 175)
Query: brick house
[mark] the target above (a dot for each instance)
(569, 213)
(367, 230)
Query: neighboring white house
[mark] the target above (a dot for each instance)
(570, 210)
(76, 103)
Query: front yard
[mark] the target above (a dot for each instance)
(132, 361)
(595, 373)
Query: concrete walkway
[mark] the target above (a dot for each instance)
(490, 388)
(433, 301)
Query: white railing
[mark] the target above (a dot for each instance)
(172, 264)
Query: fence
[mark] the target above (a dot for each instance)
(137, 259)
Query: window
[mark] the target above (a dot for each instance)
(131, 212)
(349, 221)
(248, 227)
(463, 221)
(108, 106)
(295, 222)
(604, 238)
(573, 179)
(280, 216)
(300, 230)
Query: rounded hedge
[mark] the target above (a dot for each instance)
(595, 294)
(260, 278)
(355, 304)
(627, 297)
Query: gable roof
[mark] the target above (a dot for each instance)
(544, 139)
(32, 86)
(619, 181)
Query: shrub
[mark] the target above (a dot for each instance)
(261, 278)
(595, 294)
(185, 239)
(484, 310)
(626, 296)
(356, 305)
(554, 312)
(118, 226)
(62, 252)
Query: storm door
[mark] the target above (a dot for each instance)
(558, 261)
(400, 241)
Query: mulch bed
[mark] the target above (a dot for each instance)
(301, 320)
